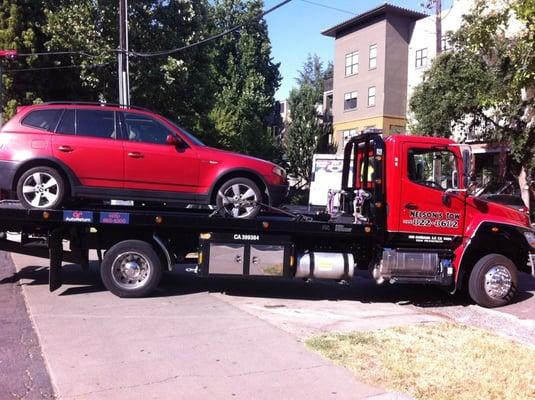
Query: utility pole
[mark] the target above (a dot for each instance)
(438, 23)
(4, 54)
(123, 70)
(428, 5)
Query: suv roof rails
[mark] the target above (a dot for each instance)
(95, 103)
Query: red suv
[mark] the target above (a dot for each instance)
(54, 152)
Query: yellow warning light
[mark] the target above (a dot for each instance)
(292, 261)
(495, 229)
(206, 236)
(378, 205)
(158, 219)
(46, 215)
(367, 229)
(265, 225)
(200, 258)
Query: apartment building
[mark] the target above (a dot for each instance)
(371, 71)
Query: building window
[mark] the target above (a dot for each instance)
(421, 58)
(350, 101)
(371, 96)
(352, 63)
(397, 129)
(372, 64)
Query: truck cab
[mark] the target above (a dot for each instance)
(432, 230)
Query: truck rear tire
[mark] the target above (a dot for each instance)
(493, 281)
(131, 269)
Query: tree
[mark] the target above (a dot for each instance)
(305, 129)
(247, 79)
(177, 85)
(20, 22)
(487, 83)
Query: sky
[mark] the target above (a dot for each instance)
(295, 31)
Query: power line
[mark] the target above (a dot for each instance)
(57, 67)
(157, 53)
(58, 53)
(214, 37)
(329, 7)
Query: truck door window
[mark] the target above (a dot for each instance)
(433, 168)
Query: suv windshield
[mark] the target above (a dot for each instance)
(190, 136)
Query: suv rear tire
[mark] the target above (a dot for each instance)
(42, 188)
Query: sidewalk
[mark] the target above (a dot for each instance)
(187, 346)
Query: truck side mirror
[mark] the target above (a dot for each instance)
(467, 159)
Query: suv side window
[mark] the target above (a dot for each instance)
(95, 123)
(434, 168)
(141, 128)
(67, 124)
(42, 119)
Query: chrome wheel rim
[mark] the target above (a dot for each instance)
(41, 190)
(239, 200)
(498, 282)
(131, 270)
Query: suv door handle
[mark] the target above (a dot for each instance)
(66, 149)
(135, 154)
(411, 206)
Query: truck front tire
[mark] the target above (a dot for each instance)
(493, 281)
(131, 269)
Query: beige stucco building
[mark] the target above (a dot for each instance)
(370, 71)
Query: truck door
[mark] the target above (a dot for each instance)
(426, 209)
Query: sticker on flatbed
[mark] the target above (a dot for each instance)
(78, 216)
(117, 218)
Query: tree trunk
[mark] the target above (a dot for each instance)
(524, 186)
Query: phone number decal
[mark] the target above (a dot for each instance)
(436, 219)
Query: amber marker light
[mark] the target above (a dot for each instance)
(378, 205)
(206, 236)
(158, 219)
(367, 229)
(265, 225)
(46, 215)
(495, 229)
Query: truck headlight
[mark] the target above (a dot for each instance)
(530, 237)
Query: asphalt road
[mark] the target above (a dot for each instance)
(23, 374)
(223, 338)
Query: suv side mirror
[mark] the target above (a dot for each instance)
(174, 141)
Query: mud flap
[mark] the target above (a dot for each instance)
(55, 246)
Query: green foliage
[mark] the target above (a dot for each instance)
(20, 23)
(305, 129)
(487, 83)
(223, 91)
(246, 77)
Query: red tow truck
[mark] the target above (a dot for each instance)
(404, 213)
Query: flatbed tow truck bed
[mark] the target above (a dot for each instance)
(173, 234)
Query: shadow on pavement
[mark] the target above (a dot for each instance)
(179, 283)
